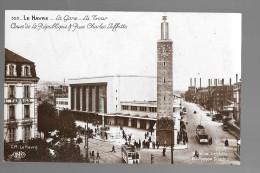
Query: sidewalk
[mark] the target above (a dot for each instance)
(115, 137)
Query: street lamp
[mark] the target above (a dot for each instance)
(172, 141)
(86, 142)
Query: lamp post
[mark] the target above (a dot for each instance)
(172, 140)
(86, 142)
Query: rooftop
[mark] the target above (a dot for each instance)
(13, 57)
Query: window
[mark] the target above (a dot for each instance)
(26, 70)
(11, 91)
(12, 112)
(134, 108)
(143, 109)
(11, 134)
(163, 80)
(152, 109)
(87, 99)
(94, 99)
(173, 110)
(125, 107)
(26, 111)
(11, 70)
(27, 133)
(75, 98)
(26, 90)
(164, 63)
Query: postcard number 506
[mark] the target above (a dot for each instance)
(15, 18)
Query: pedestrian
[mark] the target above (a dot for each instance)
(153, 145)
(150, 139)
(113, 149)
(164, 143)
(152, 159)
(196, 154)
(210, 140)
(98, 155)
(93, 153)
(144, 144)
(158, 145)
(106, 135)
(226, 142)
(145, 136)
(164, 151)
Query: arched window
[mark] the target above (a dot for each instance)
(26, 71)
(11, 70)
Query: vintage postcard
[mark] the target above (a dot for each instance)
(122, 87)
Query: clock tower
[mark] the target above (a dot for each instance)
(165, 123)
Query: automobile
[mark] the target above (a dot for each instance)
(208, 114)
(213, 118)
(225, 127)
(194, 112)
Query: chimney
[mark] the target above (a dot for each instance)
(230, 82)
(200, 82)
(223, 81)
(236, 77)
(209, 82)
(195, 82)
(190, 81)
(216, 82)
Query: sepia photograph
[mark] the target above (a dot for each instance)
(105, 87)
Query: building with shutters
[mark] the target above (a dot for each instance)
(20, 104)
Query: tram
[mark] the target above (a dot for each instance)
(129, 154)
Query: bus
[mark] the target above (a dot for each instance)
(129, 154)
(201, 134)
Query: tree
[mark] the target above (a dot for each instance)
(67, 125)
(37, 150)
(68, 151)
(46, 118)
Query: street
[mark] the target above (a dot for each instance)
(216, 154)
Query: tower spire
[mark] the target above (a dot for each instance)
(164, 29)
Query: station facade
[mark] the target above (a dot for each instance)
(127, 100)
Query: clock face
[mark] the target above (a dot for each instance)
(164, 50)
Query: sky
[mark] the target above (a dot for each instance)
(205, 45)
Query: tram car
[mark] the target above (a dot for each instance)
(130, 154)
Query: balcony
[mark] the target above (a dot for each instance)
(26, 100)
(11, 101)
(11, 122)
(27, 121)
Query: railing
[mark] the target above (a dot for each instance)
(11, 101)
(27, 121)
(11, 122)
(26, 100)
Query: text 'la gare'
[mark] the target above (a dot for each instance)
(70, 18)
